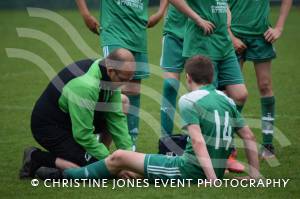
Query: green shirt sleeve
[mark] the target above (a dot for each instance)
(116, 122)
(81, 103)
(187, 112)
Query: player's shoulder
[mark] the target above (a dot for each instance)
(192, 97)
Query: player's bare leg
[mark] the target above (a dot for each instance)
(264, 82)
(131, 164)
(122, 160)
(239, 94)
(264, 78)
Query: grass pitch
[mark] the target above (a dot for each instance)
(22, 81)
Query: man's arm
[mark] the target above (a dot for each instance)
(187, 10)
(201, 152)
(272, 34)
(90, 21)
(81, 104)
(155, 18)
(251, 151)
(238, 45)
(116, 122)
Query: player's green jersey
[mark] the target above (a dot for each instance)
(218, 118)
(218, 45)
(174, 22)
(124, 23)
(249, 17)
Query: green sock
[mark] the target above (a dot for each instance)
(97, 170)
(268, 114)
(168, 106)
(133, 116)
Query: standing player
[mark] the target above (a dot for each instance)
(210, 118)
(206, 34)
(172, 62)
(123, 24)
(253, 39)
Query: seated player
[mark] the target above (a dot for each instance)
(82, 100)
(210, 118)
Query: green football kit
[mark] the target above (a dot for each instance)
(172, 44)
(250, 20)
(171, 61)
(217, 46)
(218, 118)
(124, 25)
(249, 23)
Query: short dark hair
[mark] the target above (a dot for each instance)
(200, 69)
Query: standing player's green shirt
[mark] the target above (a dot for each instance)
(124, 23)
(174, 22)
(218, 45)
(249, 17)
(218, 119)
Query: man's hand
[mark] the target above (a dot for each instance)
(238, 45)
(153, 20)
(207, 26)
(272, 34)
(92, 23)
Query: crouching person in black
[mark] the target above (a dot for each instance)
(82, 102)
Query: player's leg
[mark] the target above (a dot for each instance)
(239, 93)
(172, 63)
(132, 89)
(133, 92)
(168, 103)
(230, 77)
(118, 161)
(264, 82)
(261, 53)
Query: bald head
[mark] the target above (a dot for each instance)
(119, 57)
(120, 65)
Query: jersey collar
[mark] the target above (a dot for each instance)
(207, 87)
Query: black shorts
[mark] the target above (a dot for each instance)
(59, 140)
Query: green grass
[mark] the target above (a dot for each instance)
(21, 83)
